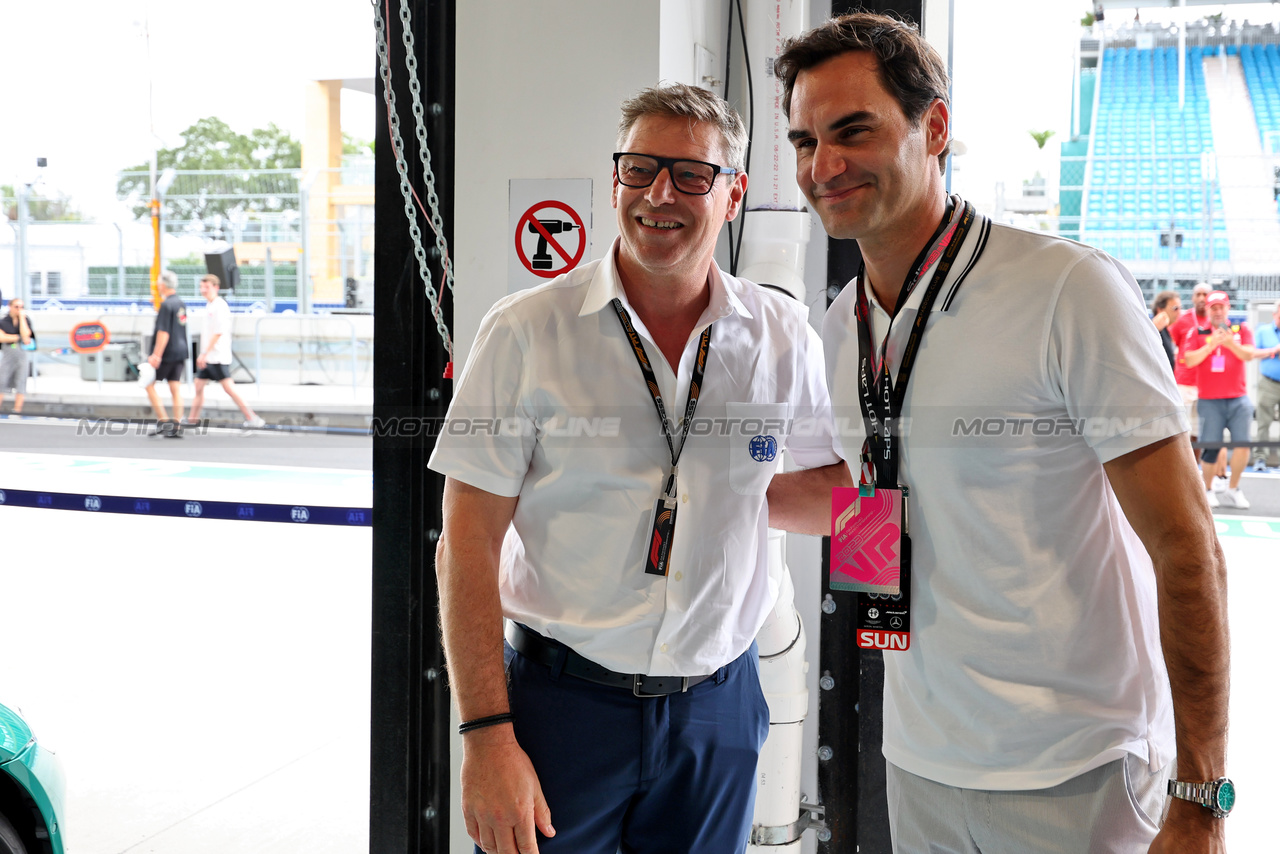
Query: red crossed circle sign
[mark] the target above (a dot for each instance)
(566, 261)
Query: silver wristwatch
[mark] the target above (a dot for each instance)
(1218, 796)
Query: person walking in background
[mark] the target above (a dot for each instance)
(1268, 389)
(168, 355)
(214, 362)
(1218, 351)
(1166, 309)
(15, 336)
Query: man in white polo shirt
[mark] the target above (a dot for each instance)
(214, 361)
(630, 559)
(1050, 667)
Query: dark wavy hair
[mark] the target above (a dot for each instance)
(910, 69)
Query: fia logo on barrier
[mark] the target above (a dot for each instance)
(550, 224)
(764, 449)
(193, 509)
(300, 514)
(92, 502)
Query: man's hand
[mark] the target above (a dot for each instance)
(502, 801)
(1220, 336)
(154, 360)
(1190, 829)
(201, 361)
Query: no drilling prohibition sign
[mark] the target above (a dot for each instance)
(550, 258)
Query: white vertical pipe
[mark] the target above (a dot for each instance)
(772, 168)
(775, 226)
(775, 236)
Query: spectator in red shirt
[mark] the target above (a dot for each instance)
(1184, 376)
(1218, 352)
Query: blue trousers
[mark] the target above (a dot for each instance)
(642, 774)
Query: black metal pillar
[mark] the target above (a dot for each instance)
(409, 771)
(851, 773)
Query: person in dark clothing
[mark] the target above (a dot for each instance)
(15, 337)
(1165, 311)
(169, 355)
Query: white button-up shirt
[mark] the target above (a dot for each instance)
(552, 407)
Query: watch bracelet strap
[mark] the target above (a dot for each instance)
(1200, 793)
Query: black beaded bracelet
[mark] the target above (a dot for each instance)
(481, 723)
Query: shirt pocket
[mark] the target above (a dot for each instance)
(757, 435)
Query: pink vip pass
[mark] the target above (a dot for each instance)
(866, 540)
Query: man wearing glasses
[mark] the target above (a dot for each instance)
(595, 412)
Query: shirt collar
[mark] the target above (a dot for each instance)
(606, 285)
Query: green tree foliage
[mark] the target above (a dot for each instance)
(39, 209)
(211, 145)
(351, 145)
(1041, 137)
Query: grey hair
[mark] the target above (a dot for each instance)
(170, 279)
(694, 103)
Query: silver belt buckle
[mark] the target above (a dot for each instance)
(635, 686)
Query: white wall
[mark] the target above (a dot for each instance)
(538, 89)
(686, 26)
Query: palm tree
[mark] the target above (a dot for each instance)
(1041, 137)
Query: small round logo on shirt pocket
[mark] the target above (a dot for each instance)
(755, 433)
(763, 448)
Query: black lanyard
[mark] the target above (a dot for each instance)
(880, 397)
(695, 388)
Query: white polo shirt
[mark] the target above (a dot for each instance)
(552, 407)
(1035, 652)
(217, 320)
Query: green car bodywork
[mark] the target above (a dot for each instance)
(31, 785)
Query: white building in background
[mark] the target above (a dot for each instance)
(59, 254)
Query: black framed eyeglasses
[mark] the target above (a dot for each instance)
(694, 177)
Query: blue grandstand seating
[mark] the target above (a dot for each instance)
(1262, 75)
(1145, 168)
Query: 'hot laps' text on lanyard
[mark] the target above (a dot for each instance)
(881, 398)
(883, 619)
(658, 558)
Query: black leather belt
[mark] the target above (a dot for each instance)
(535, 647)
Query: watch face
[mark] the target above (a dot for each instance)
(1226, 796)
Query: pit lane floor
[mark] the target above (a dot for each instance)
(206, 682)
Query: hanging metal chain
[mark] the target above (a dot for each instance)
(406, 190)
(420, 125)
